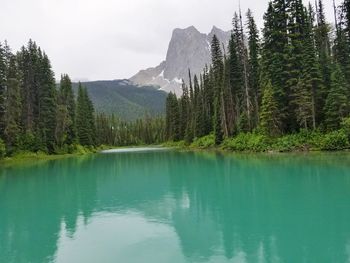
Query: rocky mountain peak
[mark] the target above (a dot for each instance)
(188, 49)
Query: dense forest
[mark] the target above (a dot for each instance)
(288, 86)
(37, 115)
(292, 78)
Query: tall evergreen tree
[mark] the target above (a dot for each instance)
(173, 118)
(84, 118)
(337, 103)
(47, 103)
(13, 107)
(322, 37)
(2, 91)
(66, 103)
(218, 69)
(254, 67)
(269, 117)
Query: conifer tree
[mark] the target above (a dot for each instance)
(218, 69)
(322, 34)
(228, 100)
(84, 118)
(47, 104)
(254, 67)
(337, 103)
(236, 78)
(185, 114)
(2, 91)
(67, 99)
(65, 128)
(269, 117)
(13, 107)
(274, 60)
(311, 71)
(90, 117)
(199, 110)
(173, 118)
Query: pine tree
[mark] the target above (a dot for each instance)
(66, 103)
(173, 128)
(2, 91)
(28, 61)
(218, 69)
(269, 117)
(228, 100)
(90, 118)
(254, 67)
(13, 107)
(311, 71)
(185, 114)
(337, 104)
(47, 104)
(246, 120)
(274, 59)
(322, 33)
(235, 78)
(84, 118)
(199, 110)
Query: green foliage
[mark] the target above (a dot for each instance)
(178, 144)
(2, 89)
(269, 115)
(116, 132)
(29, 142)
(204, 142)
(66, 121)
(302, 141)
(86, 129)
(336, 140)
(173, 124)
(345, 126)
(251, 142)
(2, 149)
(337, 103)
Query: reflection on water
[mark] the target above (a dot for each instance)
(177, 207)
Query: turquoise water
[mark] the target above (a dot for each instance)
(167, 206)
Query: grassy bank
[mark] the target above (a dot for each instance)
(304, 141)
(25, 156)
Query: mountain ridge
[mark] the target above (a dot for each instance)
(124, 99)
(187, 49)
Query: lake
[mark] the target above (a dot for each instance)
(169, 206)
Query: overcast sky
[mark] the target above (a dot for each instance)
(112, 39)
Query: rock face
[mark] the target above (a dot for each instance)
(188, 49)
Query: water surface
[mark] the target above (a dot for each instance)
(168, 206)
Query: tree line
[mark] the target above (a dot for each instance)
(293, 76)
(36, 114)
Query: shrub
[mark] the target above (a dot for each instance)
(345, 126)
(179, 144)
(30, 142)
(247, 142)
(336, 140)
(204, 142)
(2, 149)
(302, 141)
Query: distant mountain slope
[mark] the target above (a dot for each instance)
(124, 99)
(188, 49)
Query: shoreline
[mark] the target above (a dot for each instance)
(27, 157)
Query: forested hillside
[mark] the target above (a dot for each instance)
(36, 115)
(292, 78)
(125, 100)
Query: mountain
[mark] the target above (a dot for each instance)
(188, 49)
(124, 99)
